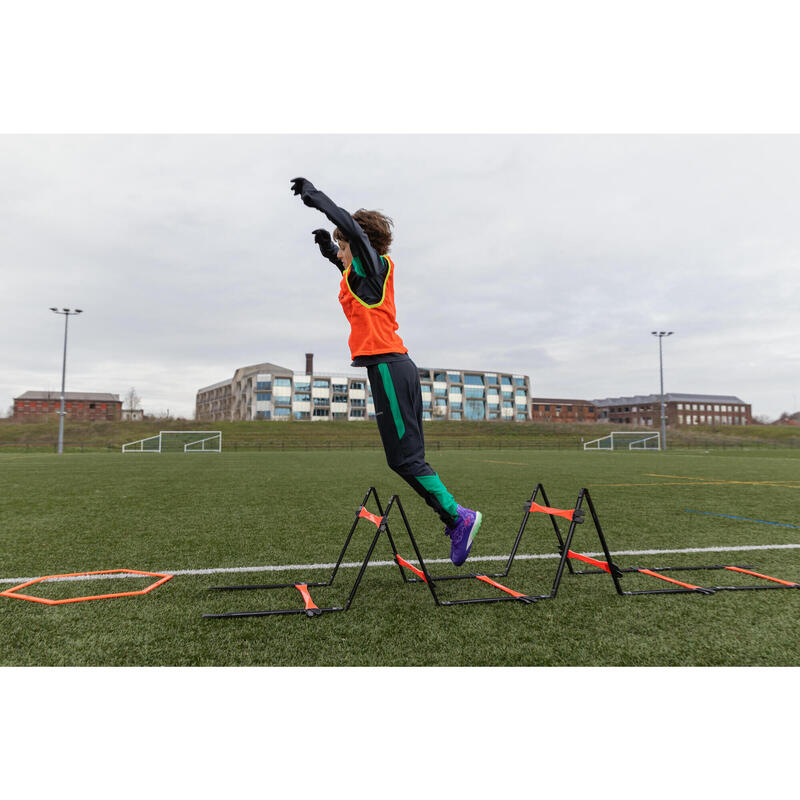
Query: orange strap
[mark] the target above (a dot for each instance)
(371, 517)
(759, 575)
(558, 512)
(500, 586)
(303, 589)
(405, 564)
(593, 561)
(665, 578)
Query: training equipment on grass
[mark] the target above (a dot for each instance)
(616, 572)
(575, 516)
(626, 440)
(177, 442)
(14, 592)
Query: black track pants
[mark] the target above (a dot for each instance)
(397, 396)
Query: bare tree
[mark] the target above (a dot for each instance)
(132, 399)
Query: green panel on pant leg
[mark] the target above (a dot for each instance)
(391, 395)
(433, 485)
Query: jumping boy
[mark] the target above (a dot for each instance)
(366, 294)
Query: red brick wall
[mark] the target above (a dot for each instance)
(91, 411)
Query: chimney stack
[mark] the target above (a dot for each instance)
(309, 363)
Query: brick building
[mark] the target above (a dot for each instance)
(546, 409)
(86, 406)
(681, 409)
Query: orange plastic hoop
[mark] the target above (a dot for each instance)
(13, 592)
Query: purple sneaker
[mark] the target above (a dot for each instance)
(462, 534)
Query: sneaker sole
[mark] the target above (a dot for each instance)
(473, 533)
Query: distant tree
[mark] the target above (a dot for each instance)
(132, 399)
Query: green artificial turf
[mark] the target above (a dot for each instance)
(174, 512)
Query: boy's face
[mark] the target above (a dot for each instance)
(344, 255)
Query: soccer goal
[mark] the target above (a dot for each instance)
(626, 440)
(177, 442)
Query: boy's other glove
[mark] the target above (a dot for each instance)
(302, 187)
(322, 237)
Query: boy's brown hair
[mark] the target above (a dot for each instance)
(377, 226)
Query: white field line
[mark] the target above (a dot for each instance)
(350, 564)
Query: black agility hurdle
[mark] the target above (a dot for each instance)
(566, 556)
(617, 573)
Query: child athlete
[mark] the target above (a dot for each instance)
(366, 294)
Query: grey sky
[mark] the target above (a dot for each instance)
(554, 256)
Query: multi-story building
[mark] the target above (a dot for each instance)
(91, 406)
(269, 392)
(547, 409)
(681, 409)
(475, 395)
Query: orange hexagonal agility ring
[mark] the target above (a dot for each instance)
(13, 592)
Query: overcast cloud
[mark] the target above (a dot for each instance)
(552, 256)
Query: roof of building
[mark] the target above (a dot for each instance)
(562, 401)
(670, 397)
(94, 397)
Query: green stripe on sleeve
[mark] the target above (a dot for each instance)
(388, 387)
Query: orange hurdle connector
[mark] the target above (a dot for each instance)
(759, 575)
(558, 512)
(311, 607)
(500, 586)
(593, 561)
(671, 580)
(370, 516)
(403, 563)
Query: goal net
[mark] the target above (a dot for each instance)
(177, 442)
(626, 440)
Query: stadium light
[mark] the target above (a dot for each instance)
(66, 312)
(661, 335)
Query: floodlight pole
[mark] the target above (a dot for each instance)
(661, 335)
(66, 312)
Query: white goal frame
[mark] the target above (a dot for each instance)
(205, 437)
(636, 444)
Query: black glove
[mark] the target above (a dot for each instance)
(301, 186)
(322, 237)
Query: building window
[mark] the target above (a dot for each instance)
(320, 412)
(454, 377)
(339, 387)
(283, 381)
(455, 415)
(505, 380)
(262, 414)
(356, 384)
(262, 386)
(358, 403)
(302, 415)
(356, 412)
(282, 413)
(300, 397)
(321, 384)
(340, 398)
(321, 401)
(473, 392)
(473, 380)
(264, 396)
(519, 381)
(475, 409)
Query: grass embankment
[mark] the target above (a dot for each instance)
(341, 434)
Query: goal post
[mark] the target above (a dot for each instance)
(177, 442)
(626, 440)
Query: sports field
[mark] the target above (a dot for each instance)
(239, 517)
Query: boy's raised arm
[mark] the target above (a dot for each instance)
(359, 243)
